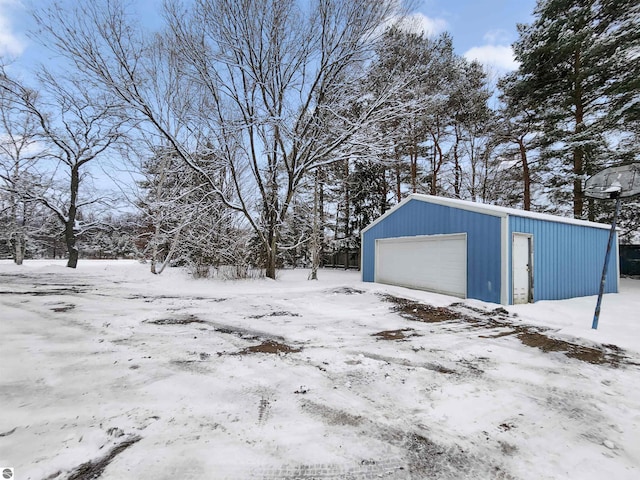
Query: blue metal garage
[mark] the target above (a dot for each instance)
(495, 254)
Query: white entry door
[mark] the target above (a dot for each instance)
(437, 263)
(522, 268)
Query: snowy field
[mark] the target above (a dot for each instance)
(111, 372)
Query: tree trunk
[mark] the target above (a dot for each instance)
(578, 198)
(271, 208)
(398, 182)
(591, 209)
(72, 262)
(526, 174)
(383, 191)
(18, 249)
(270, 260)
(457, 169)
(154, 250)
(70, 223)
(153, 260)
(271, 240)
(16, 240)
(413, 157)
(578, 152)
(315, 235)
(321, 214)
(437, 163)
(347, 201)
(175, 241)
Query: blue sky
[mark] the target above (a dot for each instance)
(481, 29)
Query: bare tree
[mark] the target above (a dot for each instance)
(19, 153)
(271, 86)
(77, 125)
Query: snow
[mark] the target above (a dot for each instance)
(619, 321)
(85, 368)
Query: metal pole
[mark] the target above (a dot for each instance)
(612, 232)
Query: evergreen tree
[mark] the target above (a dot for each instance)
(471, 120)
(517, 133)
(184, 222)
(427, 68)
(578, 68)
(369, 196)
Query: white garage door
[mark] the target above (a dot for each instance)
(437, 263)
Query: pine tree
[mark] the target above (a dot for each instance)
(471, 119)
(426, 67)
(516, 134)
(578, 69)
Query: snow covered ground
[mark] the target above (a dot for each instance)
(109, 371)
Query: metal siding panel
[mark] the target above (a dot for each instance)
(568, 259)
(422, 218)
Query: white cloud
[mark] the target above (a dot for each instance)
(499, 57)
(497, 37)
(10, 44)
(496, 54)
(420, 23)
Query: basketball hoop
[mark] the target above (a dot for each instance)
(612, 183)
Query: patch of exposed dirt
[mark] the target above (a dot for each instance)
(44, 293)
(422, 312)
(401, 334)
(94, 469)
(183, 320)
(151, 298)
(63, 308)
(498, 335)
(275, 314)
(500, 319)
(606, 354)
(499, 311)
(269, 346)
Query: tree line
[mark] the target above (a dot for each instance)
(263, 133)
